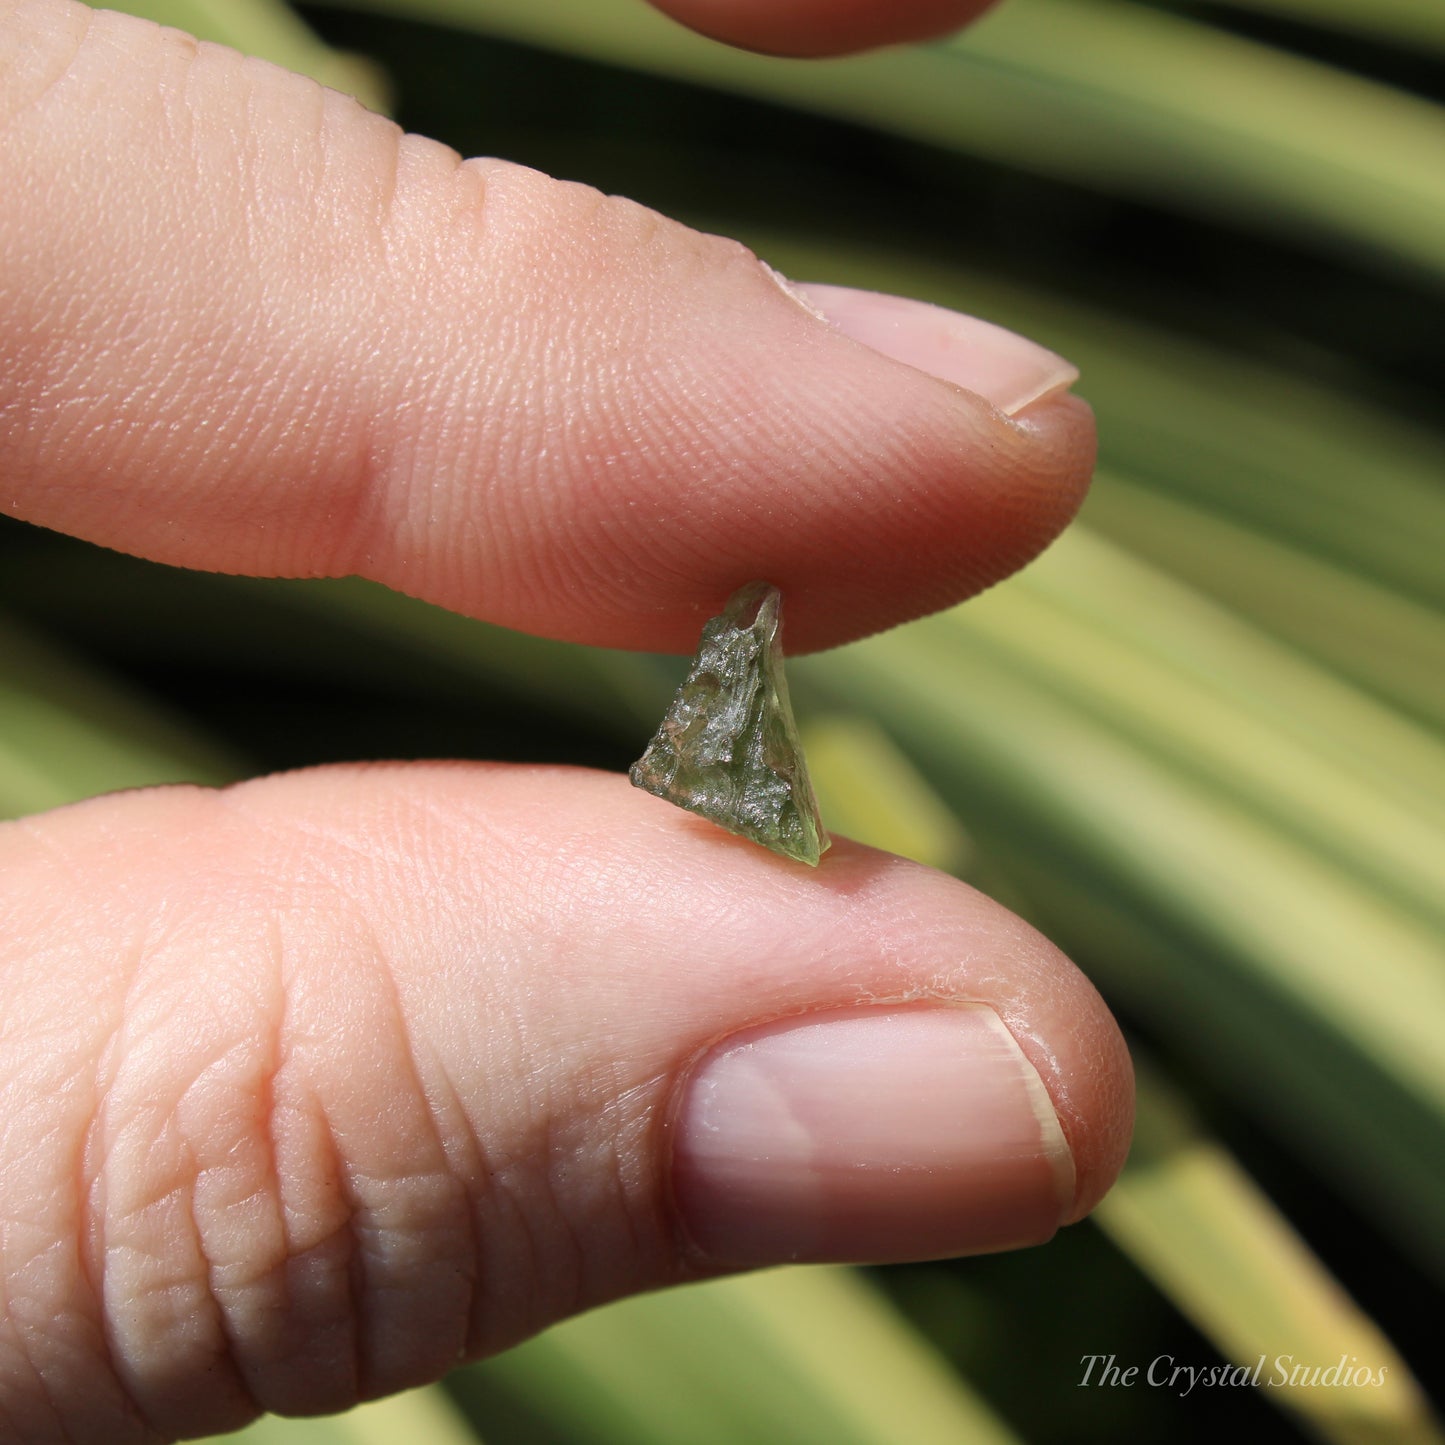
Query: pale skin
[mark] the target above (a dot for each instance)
(313, 1087)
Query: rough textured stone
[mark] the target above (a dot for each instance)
(728, 748)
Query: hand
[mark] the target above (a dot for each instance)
(314, 1086)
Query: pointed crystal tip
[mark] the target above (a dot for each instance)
(728, 748)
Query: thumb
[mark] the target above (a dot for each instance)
(247, 326)
(312, 1088)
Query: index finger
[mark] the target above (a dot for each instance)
(247, 326)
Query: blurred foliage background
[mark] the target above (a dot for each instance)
(1199, 742)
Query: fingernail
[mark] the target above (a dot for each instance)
(1006, 369)
(870, 1136)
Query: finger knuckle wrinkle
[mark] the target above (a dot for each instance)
(38, 53)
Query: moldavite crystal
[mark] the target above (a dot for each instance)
(728, 748)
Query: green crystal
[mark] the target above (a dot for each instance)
(728, 748)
